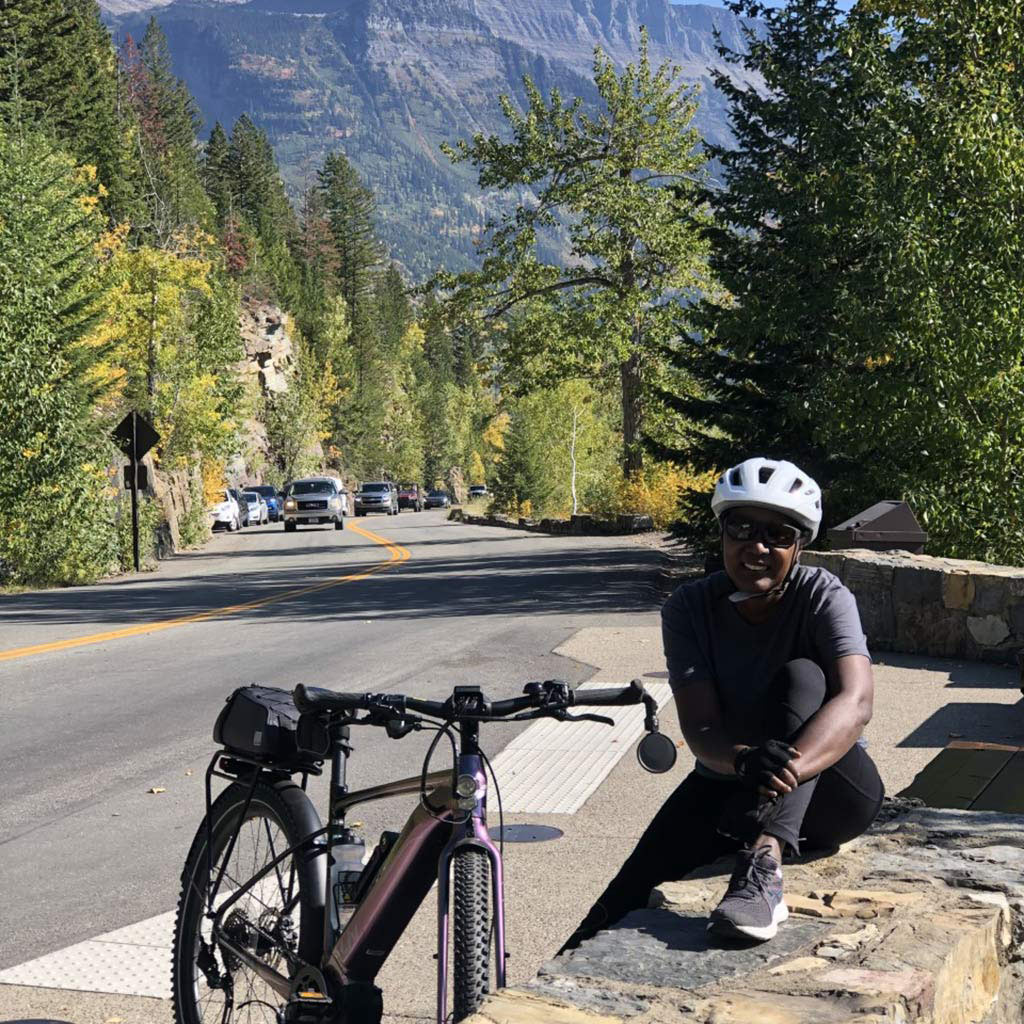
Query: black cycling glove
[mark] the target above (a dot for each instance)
(755, 766)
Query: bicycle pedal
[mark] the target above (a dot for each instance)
(310, 997)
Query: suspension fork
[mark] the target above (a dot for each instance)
(470, 830)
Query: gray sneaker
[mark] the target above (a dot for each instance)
(753, 906)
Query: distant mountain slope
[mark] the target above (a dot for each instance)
(388, 80)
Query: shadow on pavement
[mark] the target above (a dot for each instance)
(990, 723)
(969, 675)
(546, 582)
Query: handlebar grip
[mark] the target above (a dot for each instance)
(315, 698)
(619, 696)
(424, 707)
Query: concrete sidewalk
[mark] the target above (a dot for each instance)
(920, 705)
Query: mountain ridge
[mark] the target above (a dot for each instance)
(388, 81)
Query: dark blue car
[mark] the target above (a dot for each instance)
(271, 497)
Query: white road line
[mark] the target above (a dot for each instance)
(549, 768)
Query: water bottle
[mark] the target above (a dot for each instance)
(347, 856)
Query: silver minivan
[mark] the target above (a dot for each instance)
(314, 500)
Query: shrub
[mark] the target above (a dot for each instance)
(656, 491)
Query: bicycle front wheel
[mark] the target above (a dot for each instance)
(278, 920)
(471, 930)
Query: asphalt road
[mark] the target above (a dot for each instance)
(93, 719)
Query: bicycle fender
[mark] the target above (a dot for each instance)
(312, 870)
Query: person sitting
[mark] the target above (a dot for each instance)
(772, 680)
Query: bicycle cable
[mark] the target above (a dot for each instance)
(442, 730)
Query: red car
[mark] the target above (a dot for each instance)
(409, 497)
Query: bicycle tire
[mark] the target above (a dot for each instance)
(471, 930)
(280, 808)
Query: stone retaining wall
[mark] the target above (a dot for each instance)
(944, 607)
(580, 525)
(918, 920)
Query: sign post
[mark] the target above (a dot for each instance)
(135, 435)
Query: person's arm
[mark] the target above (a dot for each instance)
(700, 716)
(833, 729)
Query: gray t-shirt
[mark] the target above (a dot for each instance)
(706, 638)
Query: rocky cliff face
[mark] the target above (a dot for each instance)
(269, 357)
(388, 81)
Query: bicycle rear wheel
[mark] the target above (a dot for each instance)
(471, 930)
(281, 918)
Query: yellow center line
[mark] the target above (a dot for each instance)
(398, 554)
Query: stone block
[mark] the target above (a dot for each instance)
(877, 615)
(755, 1008)
(987, 630)
(914, 585)
(933, 629)
(990, 597)
(511, 1007)
(958, 590)
(861, 574)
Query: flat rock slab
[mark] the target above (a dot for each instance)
(663, 948)
(921, 919)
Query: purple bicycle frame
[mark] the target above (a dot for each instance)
(422, 854)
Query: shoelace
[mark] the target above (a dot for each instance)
(751, 881)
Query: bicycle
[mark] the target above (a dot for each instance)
(282, 918)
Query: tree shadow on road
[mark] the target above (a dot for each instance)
(524, 583)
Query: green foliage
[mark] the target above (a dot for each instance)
(296, 419)
(57, 71)
(150, 517)
(620, 183)
(167, 119)
(871, 240)
(559, 452)
(53, 482)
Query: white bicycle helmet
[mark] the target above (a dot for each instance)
(766, 483)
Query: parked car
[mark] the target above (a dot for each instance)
(243, 505)
(409, 496)
(225, 514)
(258, 512)
(315, 499)
(271, 496)
(478, 491)
(437, 499)
(377, 496)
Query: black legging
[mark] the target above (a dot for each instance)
(823, 812)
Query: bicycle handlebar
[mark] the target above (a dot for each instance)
(550, 695)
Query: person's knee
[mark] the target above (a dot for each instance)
(801, 688)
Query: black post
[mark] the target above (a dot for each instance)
(135, 493)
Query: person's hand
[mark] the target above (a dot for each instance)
(770, 768)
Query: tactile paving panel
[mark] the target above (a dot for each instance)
(553, 767)
(132, 961)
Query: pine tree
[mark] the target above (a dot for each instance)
(177, 110)
(783, 248)
(217, 174)
(351, 209)
(392, 310)
(168, 120)
(57, 63)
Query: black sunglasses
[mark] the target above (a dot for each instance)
(772, 535)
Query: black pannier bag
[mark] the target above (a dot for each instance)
(259, 722)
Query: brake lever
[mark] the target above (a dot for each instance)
(586, 717)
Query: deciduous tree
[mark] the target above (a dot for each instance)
(619, 186)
